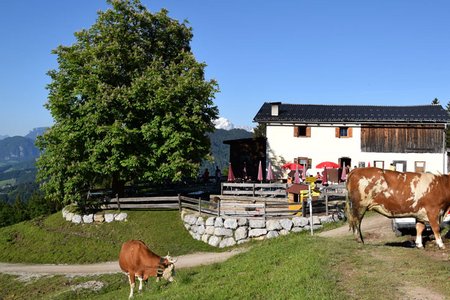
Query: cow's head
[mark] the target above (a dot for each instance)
(169, 270)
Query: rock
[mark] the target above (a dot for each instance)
(272, 234)
(230, 223)
(187, 226)
(286, 224)
(99, 218)
(257, 223)
(205, 238)
(241, 233)
(194, 228)
(316, 220)
(190, 219)
(242, 221)
(88, 218)
(297, 229)
(121, 217)
(109, 218)
(200, 221)
(69, 216)
(76, 219)
(218, 222)
(209, 230)
(218, 231)
(227, 242)
(257, 232)
(214, 241)
(273, 225)
(300, 221)
(210, 221)
(201, 229)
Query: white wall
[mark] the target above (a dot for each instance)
(324, 146)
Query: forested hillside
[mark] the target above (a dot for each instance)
(221, 152)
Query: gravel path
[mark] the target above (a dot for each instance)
(184, 261)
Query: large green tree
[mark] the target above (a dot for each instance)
(129, 102)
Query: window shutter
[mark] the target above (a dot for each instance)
(337, 132)
(308, 131)
(295, 131)
(350, 132)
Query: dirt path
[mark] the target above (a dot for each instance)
(184, 261)
(375, 227)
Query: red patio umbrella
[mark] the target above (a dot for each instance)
(368, 164)
(269, 176)
(292, 166)
(260, 173)
(230, 173)
(327, 164)
(304, 173)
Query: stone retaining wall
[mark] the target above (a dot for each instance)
(225, 232)
(99, 217)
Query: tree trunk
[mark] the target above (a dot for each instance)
(118, 186)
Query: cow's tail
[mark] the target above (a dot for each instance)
(349, 213)
(354, 220)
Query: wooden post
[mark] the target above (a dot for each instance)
(326, 203)
(265, 203)
(118, 202)
(200, 206)
(218, 207)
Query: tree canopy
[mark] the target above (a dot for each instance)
(129, 102)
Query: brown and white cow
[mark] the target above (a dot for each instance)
(137, 260)
(423, 196)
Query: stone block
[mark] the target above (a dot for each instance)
(257, 223)
(220, 231)
(214, 241)
(69, 216)
(210, 221)
(200, 221)
(99, 218)
(218, 222)
(201, 229)
(77, 219)
(88, 218)
(209, 230)
(300, 221)
(205, 238)
(109, 218)
(230, 223)
(242, 221)
(257, 232)
(121, 216)
(286, 224)
(273, 225)
(241, 233)
(272, 234)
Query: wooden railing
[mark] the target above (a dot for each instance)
(254, 189)
(228, 205)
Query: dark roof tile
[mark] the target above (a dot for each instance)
(314, 113)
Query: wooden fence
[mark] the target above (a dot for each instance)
(254, 189)
(250, 207)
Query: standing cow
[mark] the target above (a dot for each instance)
(137, 260)
(423, 196)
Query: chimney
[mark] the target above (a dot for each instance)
(275, 109)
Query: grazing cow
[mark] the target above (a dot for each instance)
(423, 196)
(137, 260)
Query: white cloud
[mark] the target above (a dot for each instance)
(222, 123)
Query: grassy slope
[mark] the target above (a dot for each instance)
(296, 266)
(53, 240)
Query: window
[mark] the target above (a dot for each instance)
(344, 132)
(302, 131)
(419, 166)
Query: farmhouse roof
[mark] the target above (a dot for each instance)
(314, 113)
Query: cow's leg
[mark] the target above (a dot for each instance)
(132, 280)
(434, 223)
(419, 230)
(140, 283)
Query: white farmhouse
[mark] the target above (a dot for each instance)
(412, 138)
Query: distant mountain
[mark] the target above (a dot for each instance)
(33, 134)
(17, 149)
(3, 137)
(220, 151)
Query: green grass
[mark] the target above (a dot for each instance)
(297, 266)
(54, 240)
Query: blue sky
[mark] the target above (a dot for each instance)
(326, 52)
